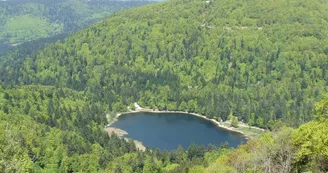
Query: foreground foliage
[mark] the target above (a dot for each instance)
(45, 129)
(49, 129)
(56, 130)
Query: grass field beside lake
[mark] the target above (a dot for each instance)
(251, 133)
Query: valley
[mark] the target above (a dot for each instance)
(228, 63)
(24, 21)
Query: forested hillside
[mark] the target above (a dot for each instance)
(262, 62)
(26, 20)
(44, 128)
(48, 129)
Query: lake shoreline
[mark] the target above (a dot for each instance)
(218, 124)
(121, 133)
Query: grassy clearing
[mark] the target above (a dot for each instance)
(25, 28)
(251, 133)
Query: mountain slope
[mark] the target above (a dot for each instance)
(23, 21)
(45, 129)
(48, 129)
(54, 130)
(262, 62)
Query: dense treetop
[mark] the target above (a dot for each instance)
(48, 129)
(262, 62)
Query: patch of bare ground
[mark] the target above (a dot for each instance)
(118, 132)
(121, 133)
(138, 144)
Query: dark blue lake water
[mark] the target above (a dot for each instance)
(4, 48)
(167, 131)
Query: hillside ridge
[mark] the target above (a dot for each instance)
(263, 63)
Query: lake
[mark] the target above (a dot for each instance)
(167, 131)
(4, 48)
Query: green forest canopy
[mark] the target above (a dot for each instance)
(264, 63)
(48, 129)
(212, 58)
